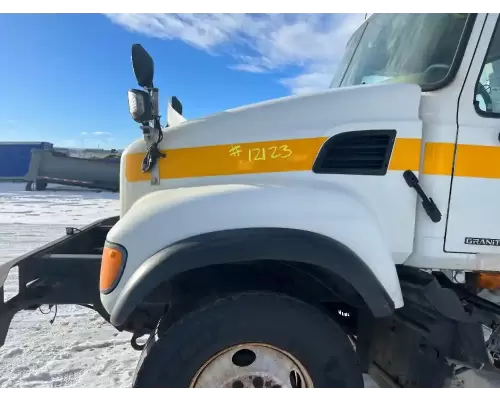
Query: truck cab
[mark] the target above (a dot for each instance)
(256, 246)
(452, 59)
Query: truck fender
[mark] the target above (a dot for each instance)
(169, 232)
(241, 245)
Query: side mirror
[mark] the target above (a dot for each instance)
(139, 105)
(143, 66)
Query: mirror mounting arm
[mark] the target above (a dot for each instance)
(153, 136)
(155, 102)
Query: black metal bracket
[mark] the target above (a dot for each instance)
(430, 207)
(65, 271)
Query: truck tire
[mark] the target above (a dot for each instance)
(35, 185)
(40, 185)
(250, 340)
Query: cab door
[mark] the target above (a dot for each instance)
(473, 224)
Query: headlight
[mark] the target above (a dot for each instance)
(139, 104)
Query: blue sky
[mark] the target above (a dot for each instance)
(65, 77)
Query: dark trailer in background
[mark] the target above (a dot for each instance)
(51, 166)
(40, 163)
(15, 159)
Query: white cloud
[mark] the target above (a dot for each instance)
(309, 81)
(313, 43)
(248, 68)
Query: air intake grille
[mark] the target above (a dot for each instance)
(356, 153)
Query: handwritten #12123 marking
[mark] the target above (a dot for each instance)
(262, 153)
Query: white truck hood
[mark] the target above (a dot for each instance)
(308, 115)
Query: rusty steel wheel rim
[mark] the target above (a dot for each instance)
(252, 365)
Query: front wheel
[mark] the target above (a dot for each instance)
(262, 340)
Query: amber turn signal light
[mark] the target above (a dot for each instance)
(112, 264)
(488, 280)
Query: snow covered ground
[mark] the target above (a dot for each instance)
(79, 349)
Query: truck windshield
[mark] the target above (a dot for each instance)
(413, 48)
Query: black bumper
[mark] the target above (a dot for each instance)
(65, 271)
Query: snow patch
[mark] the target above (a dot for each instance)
(79, 349)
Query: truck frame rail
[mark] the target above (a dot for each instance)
(65, 271)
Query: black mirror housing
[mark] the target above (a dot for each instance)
(143, 66)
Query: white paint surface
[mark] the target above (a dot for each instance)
(79, 349)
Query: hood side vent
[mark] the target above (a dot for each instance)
(356, 153)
